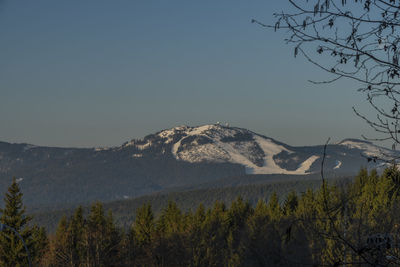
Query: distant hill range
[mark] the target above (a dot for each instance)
(176, 159)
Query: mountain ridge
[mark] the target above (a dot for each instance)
(179, 157)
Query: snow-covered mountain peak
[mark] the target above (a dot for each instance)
(206, 129)
(216, 143)
(178, 157)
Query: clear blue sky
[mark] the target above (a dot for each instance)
(98, 73)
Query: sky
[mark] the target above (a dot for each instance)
(84, 73)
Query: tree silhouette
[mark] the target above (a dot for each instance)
(13, 251)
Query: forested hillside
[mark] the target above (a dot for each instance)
(314, 222)
(124, 210)
(353, 222)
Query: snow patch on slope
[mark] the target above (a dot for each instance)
(207, 152)
(338, 164)
(270, 167)
(306, 165)
(237, 152)
(368, 148)
(217, 151)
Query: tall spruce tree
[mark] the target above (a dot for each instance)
(291, 203)
(237, 239)
(12, 249)
(274, 209)
(197, 248)
(170, 239)
(141, 237)
(60, 250)
(76, 230)
(264, 245)
(102, 238)
(215, 232)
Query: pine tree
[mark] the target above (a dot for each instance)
(237, 238)
(67, 246)
(291, 203)
(12, 249)
(141, 236)
(274, 209)
(264, 247)
(171, 220)
(170, 248)
(102, 238)
(40, 245)
(196, 247)
(59, 251)
(214, 238)
(76, 230)
(143, 226)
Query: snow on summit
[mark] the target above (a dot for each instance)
(368, 148)
(215, 143)
(218, 143)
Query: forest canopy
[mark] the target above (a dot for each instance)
(354, 222)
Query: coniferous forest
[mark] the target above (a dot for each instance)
(353, 223)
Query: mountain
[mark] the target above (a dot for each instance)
(173, 159)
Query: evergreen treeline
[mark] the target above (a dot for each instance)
(354, 223)
(124, 211)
